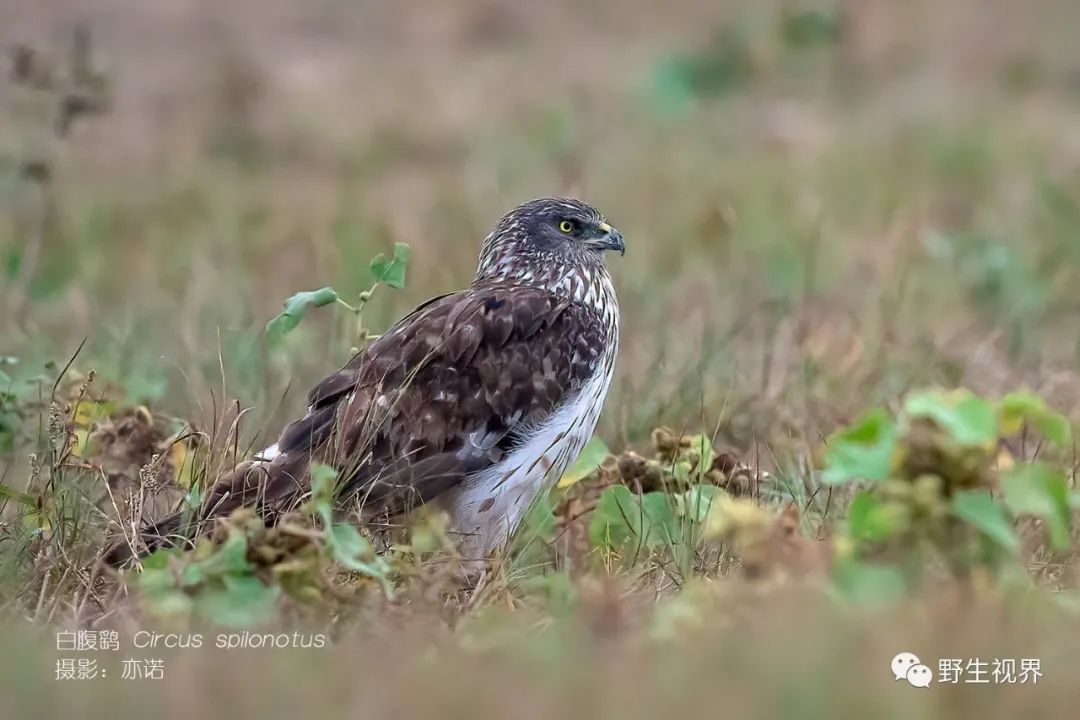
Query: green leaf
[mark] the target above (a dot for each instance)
(323, 479)
(240, 601)
(698, 454)
(157, 560)
(862, 451)
(192, 575)
(535, 534)
(295, 307)
(969, 419)
(158, 588)
(978, 508)
(168, 603)
(662, 524)
(392, 270)
(230, 558)
(352, 550)
(349, 547)
(868, 519)
(557, 590)
(155, 581)
(323, 491)
(1018, 408)
(594, 453)
(696, 502)
(616, 519)
(624, 519)
(865, 584)
(1036, 489)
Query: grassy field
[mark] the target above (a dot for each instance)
(831, 209)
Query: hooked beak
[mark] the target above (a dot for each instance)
(610, 239)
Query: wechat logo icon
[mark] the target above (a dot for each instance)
(907, 666)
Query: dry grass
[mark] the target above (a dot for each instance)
(845, 223)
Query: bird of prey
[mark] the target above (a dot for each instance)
(475, 402)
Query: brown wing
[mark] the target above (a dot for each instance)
(443, 394)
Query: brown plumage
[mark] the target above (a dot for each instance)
(477, 399)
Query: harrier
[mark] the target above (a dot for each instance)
(475, 402)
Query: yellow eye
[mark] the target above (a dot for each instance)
(566, 226)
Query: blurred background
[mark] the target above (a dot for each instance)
(823, 200)
(826, 203)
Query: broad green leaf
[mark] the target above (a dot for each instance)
(156, 580)
(868, 519)
(624, 519)
(157, 560)
(1036, 489)
(681, 471)
(969, 419)
(230, 558)
(616, 519)
(349, 547)
(168, 603)
(978, 508)
(862, 451)
(662, 524)
(158, 589)
(391, 270)
(696, 502)
(594, 453)
(295, 307)
(240, 601)
(352, 550)
(193, 574)
(1018, 408)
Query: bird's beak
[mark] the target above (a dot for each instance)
(610, 239)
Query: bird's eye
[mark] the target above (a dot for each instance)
(566, 226)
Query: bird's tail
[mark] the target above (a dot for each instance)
(270, 486)
(151, 536)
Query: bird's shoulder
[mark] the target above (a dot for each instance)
(495, 332)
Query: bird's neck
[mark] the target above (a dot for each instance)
(588, 283)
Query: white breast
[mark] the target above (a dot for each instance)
(486, 509)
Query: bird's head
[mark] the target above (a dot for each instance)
(546, 237)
